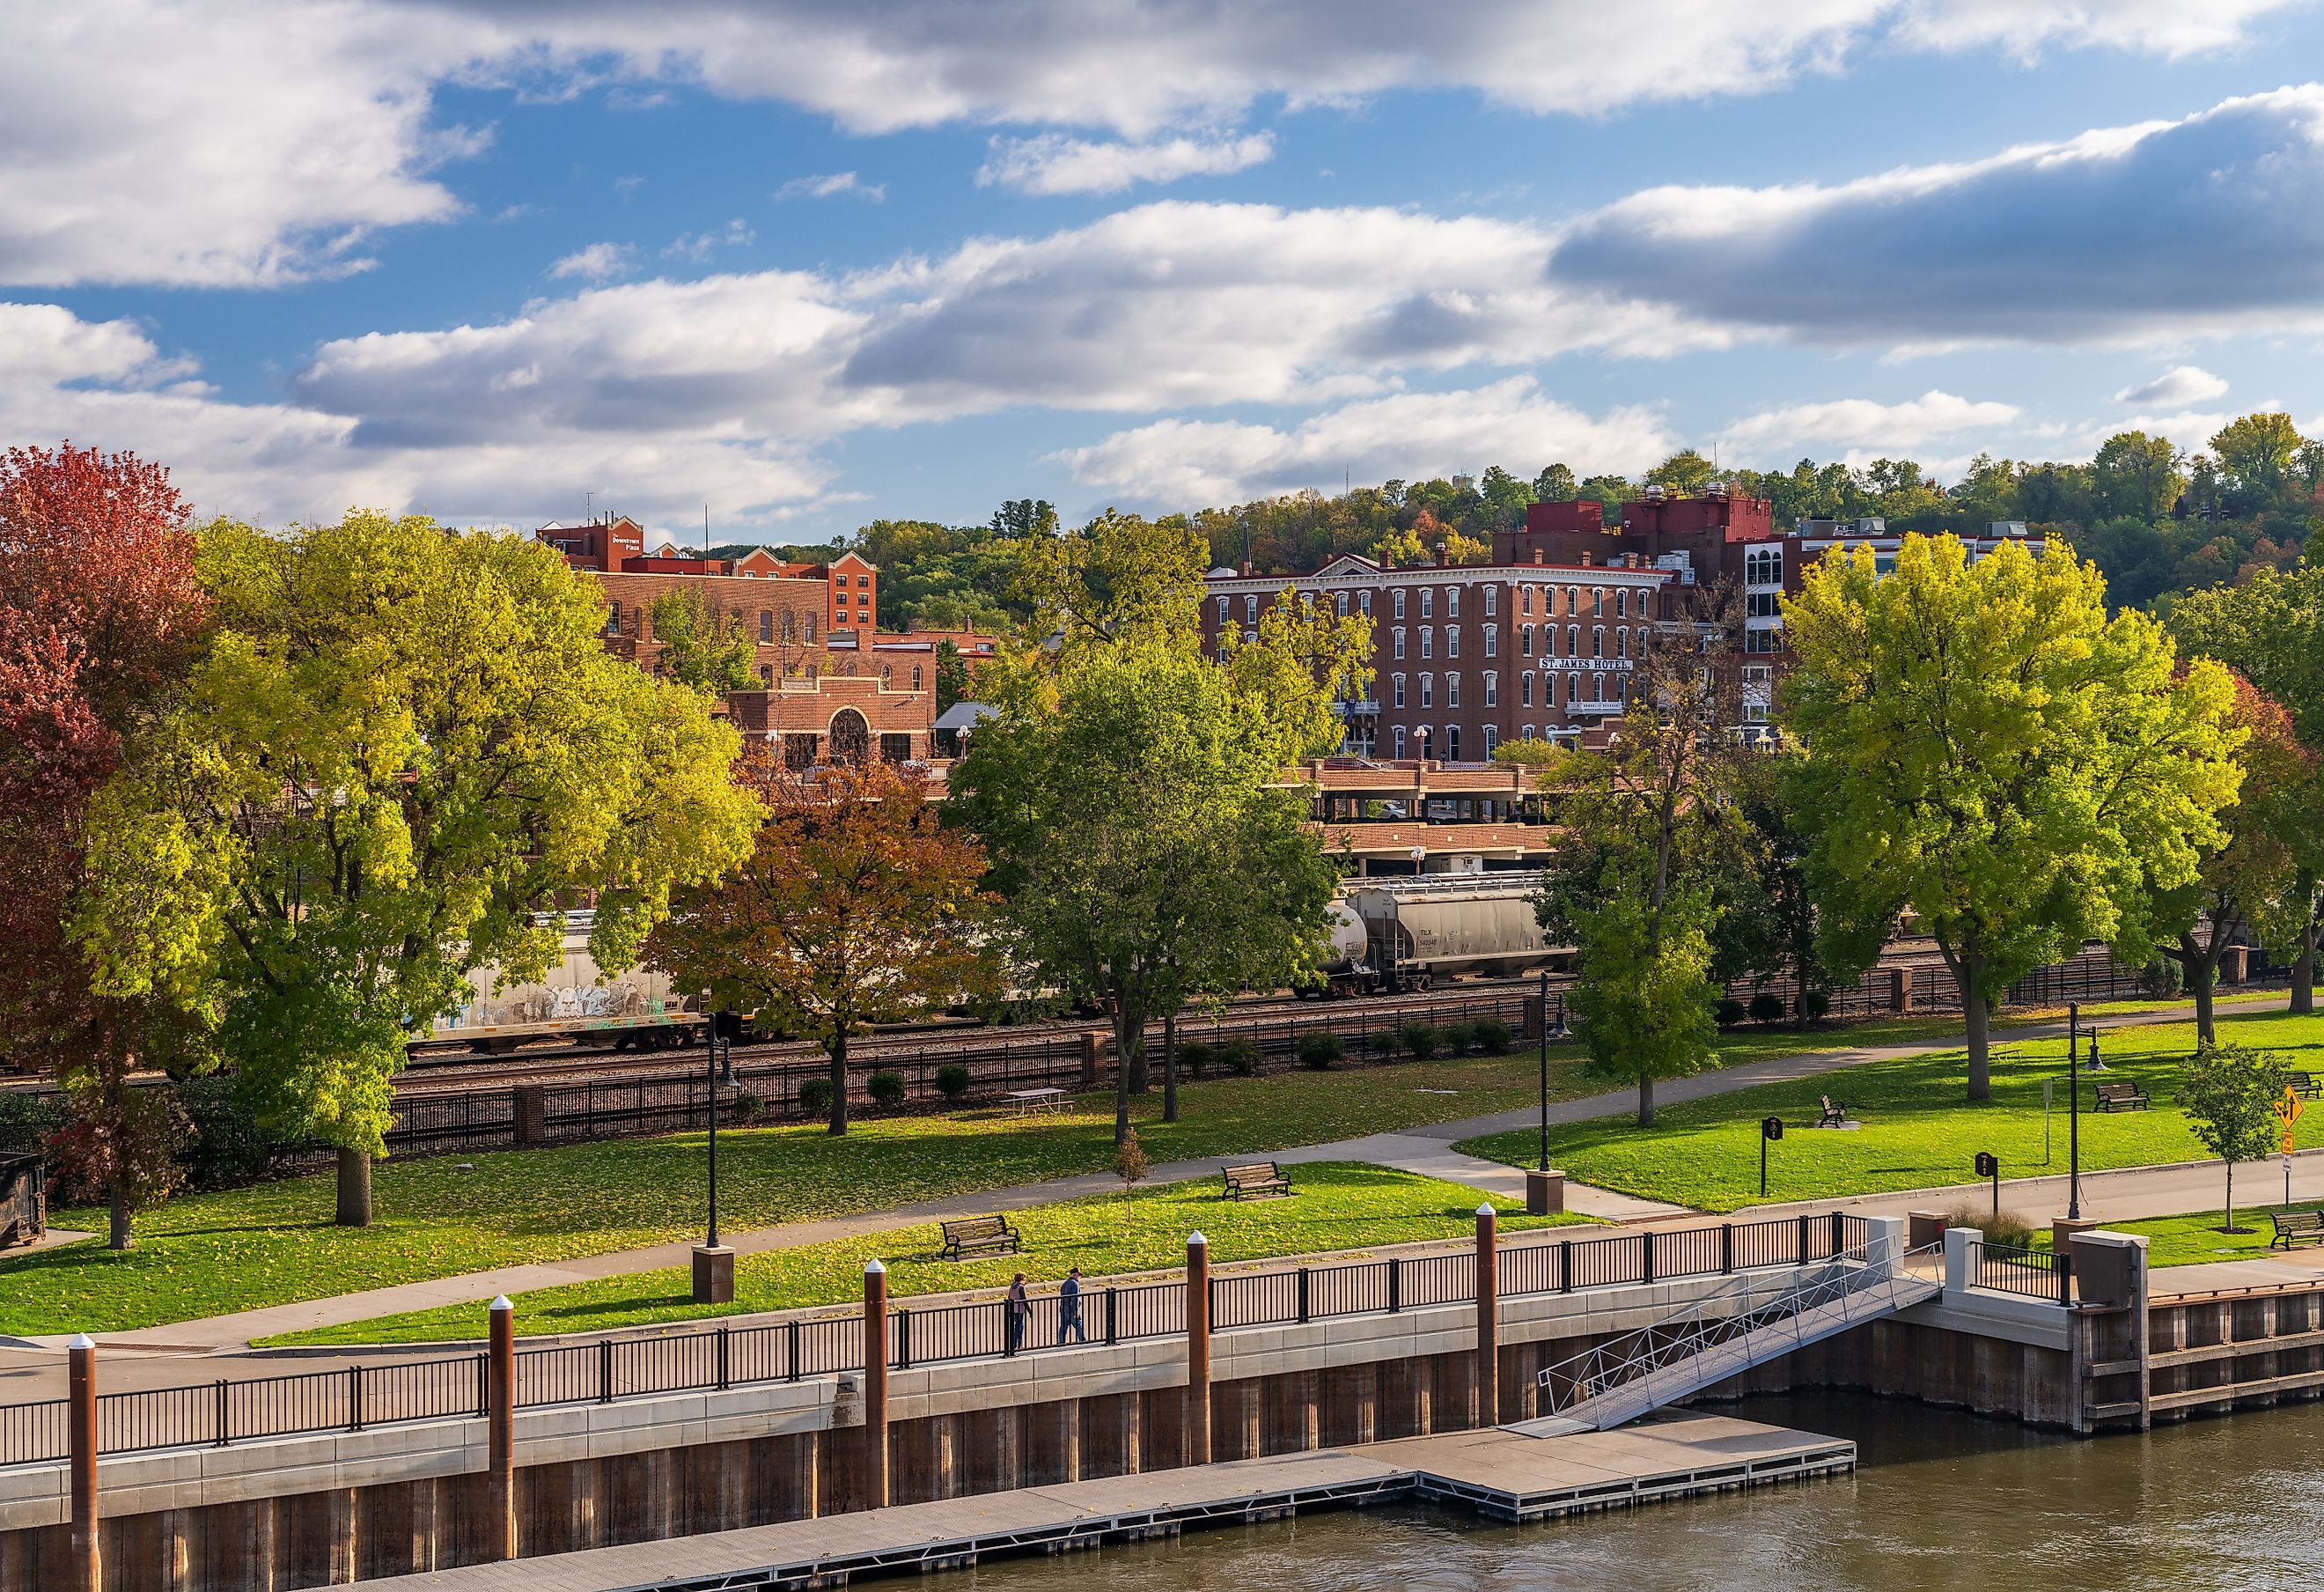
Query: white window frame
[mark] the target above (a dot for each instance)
(1492, 641)
(1492, 688)
(1428, 690)
(1395, 638)
(1451, 690)
(1397, 683)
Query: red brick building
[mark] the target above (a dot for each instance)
(1466, 657)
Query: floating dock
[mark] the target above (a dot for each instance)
(1538, 1471)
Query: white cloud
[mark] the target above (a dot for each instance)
(261, 142)
(1412, 435)
(2181, 384)
(831, 185)
(2123, 235)
(600, 262)
(1778, 436)
(97, 383)
(1052, 164)
(699, 247)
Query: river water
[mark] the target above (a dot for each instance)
(1941, 1502)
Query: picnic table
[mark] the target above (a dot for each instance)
(1032, 1100)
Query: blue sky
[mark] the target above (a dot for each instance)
(812, 262)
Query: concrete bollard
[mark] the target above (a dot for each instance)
(1961, 1266)
(1884, 1242)
(1488, 1335)
(1198, 1349)
(87, 1567)
(875, 1385)
(500, 1432)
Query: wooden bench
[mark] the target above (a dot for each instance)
(986, 1234)
(1261, 1176)
(1834, 1115)
(2303, 1084)
(2295, 1227)
(2119, 1097)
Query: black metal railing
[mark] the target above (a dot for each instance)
(2037, 1273)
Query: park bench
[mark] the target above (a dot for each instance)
(2119, 1097)
(2295, 1227)
(1834, 1114)
(986, 1234)
(2303, 1084)
(1262, 1177)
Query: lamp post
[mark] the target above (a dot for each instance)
(2074, 1111)
(1544, 1188)
(714, 1263)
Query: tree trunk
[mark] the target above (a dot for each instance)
(2231, 1197)
(2303, 962)
(1170, 1067)
(839, 1084)
(2202, 969)
(1979, 1022)
(1647, 1101)
(1129, 1047)
(355, 1189)
(117, 1219)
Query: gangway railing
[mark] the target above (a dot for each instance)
(1748, 1322)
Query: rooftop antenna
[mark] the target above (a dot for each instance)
(589, 506)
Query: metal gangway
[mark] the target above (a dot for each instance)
(1748, 1322)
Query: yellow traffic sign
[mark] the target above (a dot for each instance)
(2287, 1112)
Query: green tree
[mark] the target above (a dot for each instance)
(702, 645)
(399, 756)
(1555, 483)
(2137, 475)
(2255, 452)
(2271, 630)
(1683, 473)
(1024, 517)
(951, 676)
(1985, 748)
(2229, 1093)
(1651, 832)
(1146, 855)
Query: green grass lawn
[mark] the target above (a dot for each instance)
(211, 1254)
(1918, 1130)
(2194, 1239)
(1339, 1206)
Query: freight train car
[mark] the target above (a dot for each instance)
(576, 1002)
(1421, 928)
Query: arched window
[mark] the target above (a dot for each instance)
(1622, 604)
(1524, 641)
(1572, 600)
(1395, 639)
(1340, 604)
(1572, 690)
(1525, 694)
(1621, 641)
(1251, 610)
(790, 627)
(810, 630)
(1574, 641)
(1596, 640)
(1492, 739)
(851, 736)
(1492, 637)
(916, 677)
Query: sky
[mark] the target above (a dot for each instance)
(791, 265)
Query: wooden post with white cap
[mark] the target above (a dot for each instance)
(80, 1442)
(1198, 1349)
(500, 1432)
(875, 1385)
(1489, 1345)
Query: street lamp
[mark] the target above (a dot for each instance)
(2074, 1111)
(1544, 1188)
(713, 1264)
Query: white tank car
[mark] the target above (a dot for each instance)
(575, 1001)
(1346, 968)
(1431, 926)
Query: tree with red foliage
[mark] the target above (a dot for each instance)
(100, 614)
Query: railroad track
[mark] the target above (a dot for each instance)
(448, 1073)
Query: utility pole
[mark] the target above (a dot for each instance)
(2074, 1111)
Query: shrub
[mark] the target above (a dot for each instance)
(814, 1096)
(2162, 977)
(1459, 1037)
(1767, 1006)
(1420, 1040)
(952, 1080)
(1194, 1056)
(1813, 1005)
(1320, 1050)
(1239, 1056)
(228, 1149)
(747, 1106)
(1493, 1036)
(1728, 1013)
(27, 1120)
(2008, 1229)
(886, 1089)
(1382, 1044)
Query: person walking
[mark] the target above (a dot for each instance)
(1069, 1307)
(1020, 1310)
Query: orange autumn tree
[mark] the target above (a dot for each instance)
(856, 907)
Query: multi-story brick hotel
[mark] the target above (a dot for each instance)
(1540, 642)
(829, 682)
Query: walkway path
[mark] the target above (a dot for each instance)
(1426, 1150)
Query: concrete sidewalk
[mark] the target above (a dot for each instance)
(1424, 1150)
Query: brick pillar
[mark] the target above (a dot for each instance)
(80, 1439)
(531, 1114)
(500, 1431)
(1900, 989)
(1092, 1059)
(875, 1385)
(1198, 1349)
(1489, 1344)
